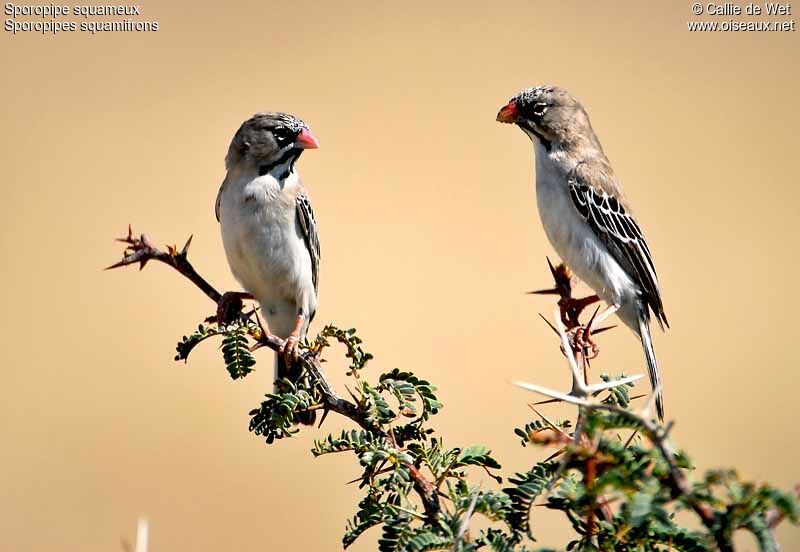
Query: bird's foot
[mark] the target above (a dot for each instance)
(230, 307)
(291, 349)
(580, 339)
(580, 336)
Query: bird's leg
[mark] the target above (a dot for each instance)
(291, 346)
(580, 335)
(229, 307)
(611, 309)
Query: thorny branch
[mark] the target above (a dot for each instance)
(141, 250)
(567, 320)
(576, 346)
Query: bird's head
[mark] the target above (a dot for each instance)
(269, 143)
(548, 113)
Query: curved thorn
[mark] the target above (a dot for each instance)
(591, 320)
(324, 411)
(604, 329)
(549, 323)
(552, 269)
(552, 291)
(185, 249)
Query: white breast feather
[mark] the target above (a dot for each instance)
(265, 252)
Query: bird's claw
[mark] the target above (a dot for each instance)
(583, 338)
(291, 349)
(580, 338)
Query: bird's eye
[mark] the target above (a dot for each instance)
(282, 136)
(539, 109)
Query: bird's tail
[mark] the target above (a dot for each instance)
(652, 365)
(292, 372)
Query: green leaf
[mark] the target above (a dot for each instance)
(527, 432)
(236, 351)
(351, 341)
(406, 388)
(476, 455)
(495, 505)
(275, 418)
(187, 343)
(526, 488)
(371, 512)
(353, 440)
(640, 507)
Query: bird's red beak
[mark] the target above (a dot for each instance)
(306, 140)
(509, 113)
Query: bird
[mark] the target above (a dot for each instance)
(268, 228)
(585, 214)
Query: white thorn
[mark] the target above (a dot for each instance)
(462, 530)
(615, 383)
(142, 534)
(551, 393)
(578, 388)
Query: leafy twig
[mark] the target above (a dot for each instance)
(140, 250)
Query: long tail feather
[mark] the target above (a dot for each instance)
(280, 371)
(652, 365)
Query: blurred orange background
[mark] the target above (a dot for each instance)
(429, 236)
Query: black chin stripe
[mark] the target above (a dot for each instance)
(545, 142)
(289, 168)
(290, 156)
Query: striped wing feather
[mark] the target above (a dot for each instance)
(308, 225)
(619, 231)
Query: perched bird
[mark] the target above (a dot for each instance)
(268, 228)
(585, 214)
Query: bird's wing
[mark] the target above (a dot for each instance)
(218, 202)
(308, 226)
(598, 203)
